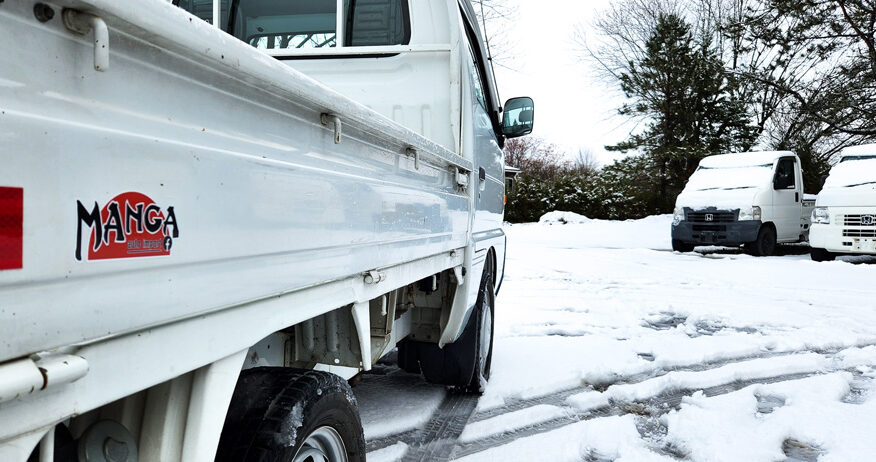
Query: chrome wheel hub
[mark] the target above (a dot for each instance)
(323, 445)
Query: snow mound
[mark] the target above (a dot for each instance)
(563, 218)
(579, 231)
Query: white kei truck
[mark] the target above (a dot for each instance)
(844, 219)
(208, 227)
(753, 199)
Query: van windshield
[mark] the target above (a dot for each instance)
(861, 157)
(731, 177)
(851, 172)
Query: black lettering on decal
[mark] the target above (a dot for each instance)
(171, 221)
(91, 220)
(152, 225)
(113, 223)
(133, 215)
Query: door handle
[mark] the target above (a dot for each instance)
(482, 174)
(796, 197)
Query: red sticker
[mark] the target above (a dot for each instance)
(128, 226)
(11, 219)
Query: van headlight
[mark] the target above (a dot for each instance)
(678, 216)
(749, 214)
(821, 215)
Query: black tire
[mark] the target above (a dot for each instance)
(821, 255)
(274, 411)
(408, 359)
(765, 245)
(462, 364)
(485, 310)
(679, 246)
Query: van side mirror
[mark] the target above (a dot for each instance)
(518, 117)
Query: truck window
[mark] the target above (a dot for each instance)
(785, 177)
(476, 77)
(302, 24)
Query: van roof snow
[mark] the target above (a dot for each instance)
(743, 159)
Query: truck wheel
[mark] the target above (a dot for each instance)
(291, 415)
(465, 363)
(821, 255)
(765, 245)
(679, 246)
(485, 308)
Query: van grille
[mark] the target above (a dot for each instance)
(859, 232)
(859, 220)
(717, 217)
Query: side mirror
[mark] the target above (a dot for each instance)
(518, 117)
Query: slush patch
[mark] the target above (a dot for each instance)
(11, 227)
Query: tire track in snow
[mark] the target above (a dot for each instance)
(441, 434)
(651, 408)
(439, 439)
(559, 397)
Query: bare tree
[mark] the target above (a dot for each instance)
(585, 162)
(535, 158)
(622, 31)
(805, 68)
(496, 18)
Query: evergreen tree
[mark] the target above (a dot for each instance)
(682, 89)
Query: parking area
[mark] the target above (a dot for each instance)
(611, 346)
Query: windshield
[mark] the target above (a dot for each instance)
(852, 172)
(736, 177)
(862, 157)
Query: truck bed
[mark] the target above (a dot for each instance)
(264, 202)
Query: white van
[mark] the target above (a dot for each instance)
(753, 199)
(844, 219)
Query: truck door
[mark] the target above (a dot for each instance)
(488, 157)
(787, 199)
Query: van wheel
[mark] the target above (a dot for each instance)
(465, 363)
(765, 245)
(679, 246)
(291, 415)
(821, 255)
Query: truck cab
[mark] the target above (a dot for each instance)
(753, 199)
(844, 219)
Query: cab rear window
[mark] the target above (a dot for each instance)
(307, 24)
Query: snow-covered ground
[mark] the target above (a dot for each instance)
(611, 347)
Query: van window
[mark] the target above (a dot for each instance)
(301, 24)
(785, 177)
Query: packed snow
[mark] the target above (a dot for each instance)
(611, 347)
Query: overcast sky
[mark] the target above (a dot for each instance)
(573, 109)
